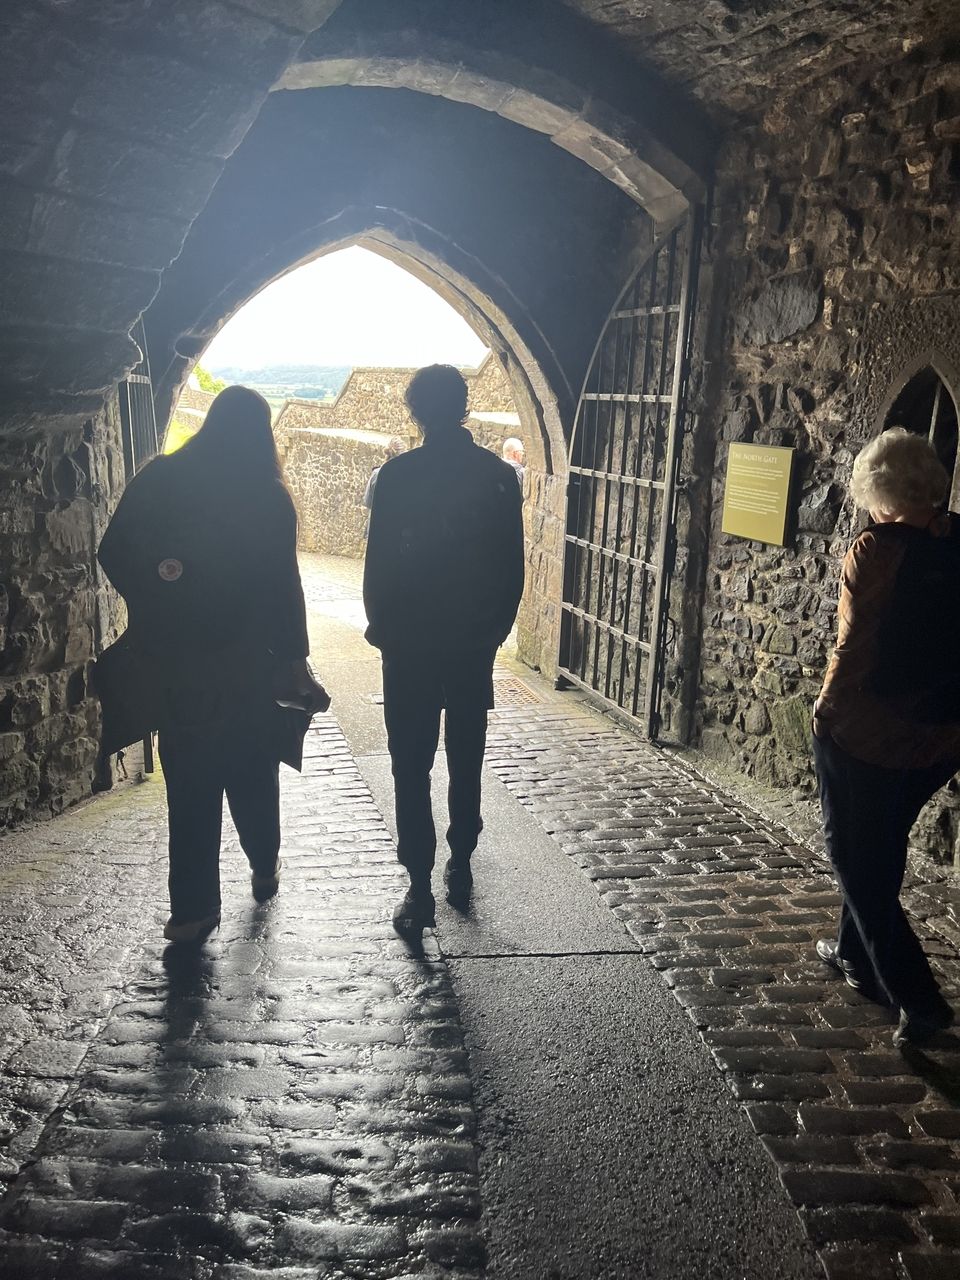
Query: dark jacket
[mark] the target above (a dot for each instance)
(444, 566)
(209, 574)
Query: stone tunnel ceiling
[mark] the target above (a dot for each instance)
(118, 118)
(536, 64)
(528, 225)
(735, 56)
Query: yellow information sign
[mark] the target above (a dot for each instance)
(757, 492)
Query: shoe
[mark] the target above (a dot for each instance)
(868, 987)
(458, 878)
(264, 887)
(415, 913)
(918, 1027)
(864, 986)
(827, 951)
(191, 930)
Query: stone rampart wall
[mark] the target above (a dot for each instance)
(835, 250)
(329, 450)
(327, 473)
(56, 611)
(489, 391)
(194, 398)
(372, 399)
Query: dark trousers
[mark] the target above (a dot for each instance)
(199, 770)
(868, 812)
(415, 690)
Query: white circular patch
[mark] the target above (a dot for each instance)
(170, 570)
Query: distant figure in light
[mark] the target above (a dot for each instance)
(395, 446)
(513, 452)
(441, 586)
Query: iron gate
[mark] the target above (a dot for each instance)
(621, 498)
(138, 422)
(138, 429)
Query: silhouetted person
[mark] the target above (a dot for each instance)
(395, 446)
(203, 549)
(441, 586)
(512, 451)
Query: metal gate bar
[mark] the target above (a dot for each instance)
(624, 458)
(138, 429)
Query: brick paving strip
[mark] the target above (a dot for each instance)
(292, 1102)
(866, 1140)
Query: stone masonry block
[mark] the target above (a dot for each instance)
(137, 176)
(43, 290)
(939, 1124)
(856, 1224)
(835, 1186)
(840, 1120)
(931, 1266)
(169, 102)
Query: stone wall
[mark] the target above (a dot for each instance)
(372, 399)
(834, 243)
(327, 468)
(544, 519)
(56, 611)
(327, 472)
(195, 398)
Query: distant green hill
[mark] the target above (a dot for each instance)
(284, 381)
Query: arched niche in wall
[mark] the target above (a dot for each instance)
(924, 399)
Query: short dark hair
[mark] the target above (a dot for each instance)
(437, 397)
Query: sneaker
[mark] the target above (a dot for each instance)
(191, 930)
(866, 986)
(415, 913)
(458, 878)
(918, 1027)
(264, 887)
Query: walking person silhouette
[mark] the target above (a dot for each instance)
(203, 549)
(442, 583)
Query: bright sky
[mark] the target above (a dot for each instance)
(351, 307)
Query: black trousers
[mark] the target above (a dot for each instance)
(199, 769)
(868, 812)
(416, 688)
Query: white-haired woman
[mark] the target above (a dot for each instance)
(884, 741)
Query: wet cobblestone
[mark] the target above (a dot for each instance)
(291, 1101)
(727, 906)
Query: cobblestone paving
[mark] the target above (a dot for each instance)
(291, 1101)
(866, 1139)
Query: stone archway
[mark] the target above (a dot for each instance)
(390, 233)
(924, 399)
(531, 386)
(619, 148)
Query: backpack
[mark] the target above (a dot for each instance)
(918, 649)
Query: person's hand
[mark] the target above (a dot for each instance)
(817, 723)
(298, 687)
(319, 699)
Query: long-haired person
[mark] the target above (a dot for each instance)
(887, 722)
(203, 549)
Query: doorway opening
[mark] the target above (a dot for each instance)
(332, 345)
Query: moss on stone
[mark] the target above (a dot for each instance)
(791, 724)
